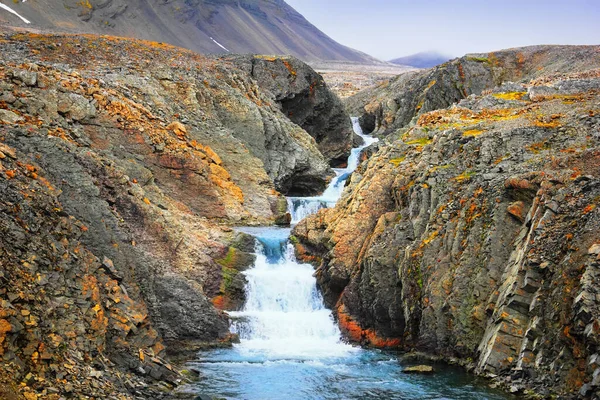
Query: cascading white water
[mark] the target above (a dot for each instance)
(302, 207)
(284, 315)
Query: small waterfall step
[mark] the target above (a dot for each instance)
(302, 207)
(282, 299)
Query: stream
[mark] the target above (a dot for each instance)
(290, 346)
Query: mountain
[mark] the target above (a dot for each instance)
(422, 60)
(205, 26)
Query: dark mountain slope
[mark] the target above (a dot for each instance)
(206, 26)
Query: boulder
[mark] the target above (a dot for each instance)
(419, 369)
(9, 117)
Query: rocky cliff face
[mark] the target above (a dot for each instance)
(123, 165)
(306, 100)
(473, 232)
(392, 105)
(206, 26)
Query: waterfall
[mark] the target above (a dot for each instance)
(284, 316)
(302, 207)
(291, 348)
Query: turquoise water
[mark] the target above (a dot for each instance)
(368, 374)
(290, 346)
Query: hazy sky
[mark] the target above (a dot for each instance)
(388, 29)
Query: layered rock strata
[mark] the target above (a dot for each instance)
(473, 233)
(305, 98)
(123, 166)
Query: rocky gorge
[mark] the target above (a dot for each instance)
(123, 166)
(471, 234)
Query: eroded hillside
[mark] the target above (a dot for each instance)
(472, 233)
(123, 166)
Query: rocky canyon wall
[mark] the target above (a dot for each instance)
(472, 233)
(123, 166)
(393, 104)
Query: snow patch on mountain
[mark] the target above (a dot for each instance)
(220, 45)
(10, 10)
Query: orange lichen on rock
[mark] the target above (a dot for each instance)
(211, 154)
(517, 210)
(510, 95)
(464, 177)
(219, 172)
(551, 121)
(99, 323)
(305, 255)
(472, 132)
(538, 147)
(289, 68)
(58, 132)
(178, 128)
(516, 183)
(353, 331)
(220, 177)
(90, 288)
(158, 346)
(219, 302)
(266, 58)
(458, 117)
(5, 327)
(379, 342)
(349, 327)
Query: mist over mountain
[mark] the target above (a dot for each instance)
(426, 59)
